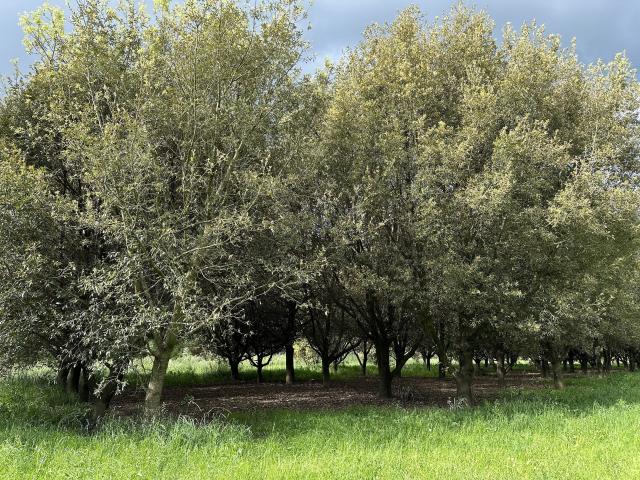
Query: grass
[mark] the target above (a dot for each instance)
(587, 431)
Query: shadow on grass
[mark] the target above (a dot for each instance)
(514, 409)
(32, 402)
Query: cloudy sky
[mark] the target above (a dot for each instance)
(602, 27)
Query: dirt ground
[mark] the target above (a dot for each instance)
(220, 399)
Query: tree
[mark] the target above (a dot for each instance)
(329, 331)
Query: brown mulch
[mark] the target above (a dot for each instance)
(220, 399)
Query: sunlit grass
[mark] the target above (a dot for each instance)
(588, 431)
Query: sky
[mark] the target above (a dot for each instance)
(602, 27)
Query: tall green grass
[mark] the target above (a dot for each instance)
(588, 431)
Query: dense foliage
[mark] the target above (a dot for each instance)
(172, 180)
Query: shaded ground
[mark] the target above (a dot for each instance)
(219, 399)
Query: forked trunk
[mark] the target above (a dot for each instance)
(153, 397)
(365, 358)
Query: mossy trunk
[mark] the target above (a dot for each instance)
(153, 397)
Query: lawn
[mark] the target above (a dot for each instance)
(587, 431)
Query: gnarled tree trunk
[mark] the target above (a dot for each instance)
(161, 356)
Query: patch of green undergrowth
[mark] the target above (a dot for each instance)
(587, 431)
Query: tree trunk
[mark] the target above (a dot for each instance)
(153, 397)
(235, 371)
(477, 362)
(106, 394)
(544, 367)
(73, 380)
(365, 358)
(571, 361)
(442, 360)
(259, 369)
(607, 360)
(61, 376)
(632, 364)
(86, 386)
(556, 366)
(429, 363)
(288, 349)
(384, 370)
(584, 363)
(500, 371)
(289, 367)
(326, 371)
(464, 377)
(442, 369)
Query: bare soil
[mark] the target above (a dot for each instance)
(220, 399)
